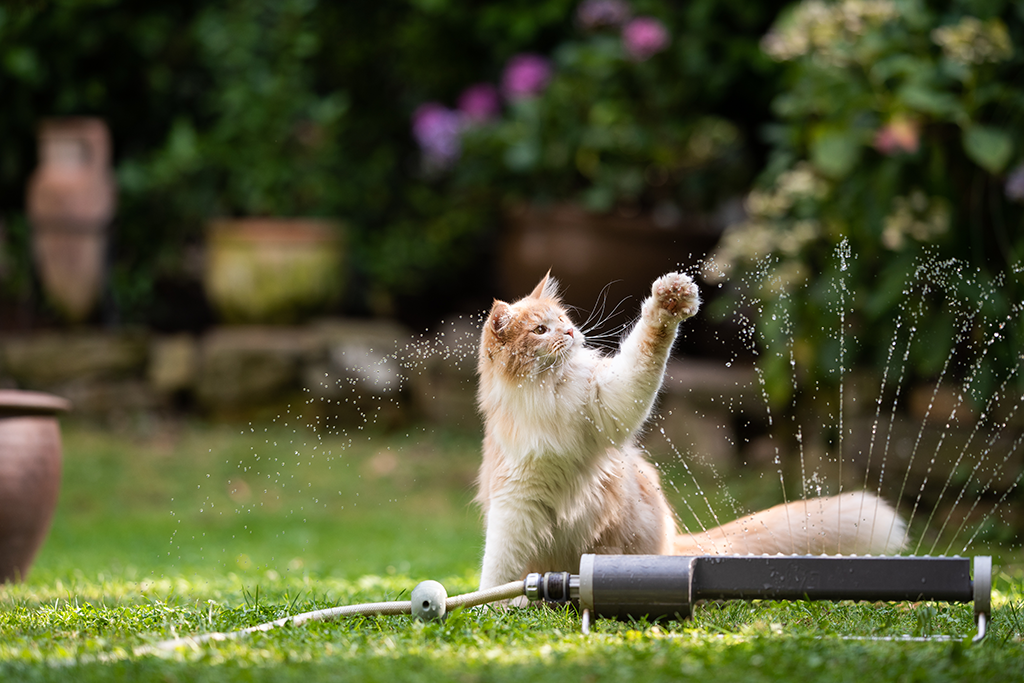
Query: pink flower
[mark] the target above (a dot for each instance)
(597, 13)
(644, 37)
(899, 135)
(526, 75)
(438, 131)
(480, 103)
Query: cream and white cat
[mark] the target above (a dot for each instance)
(562, 476)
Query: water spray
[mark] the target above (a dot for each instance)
(660, 586)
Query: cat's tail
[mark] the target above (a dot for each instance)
(857, 523)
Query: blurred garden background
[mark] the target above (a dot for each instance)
(422, 130)
(308, 109)
(287, 217)
(846, 179)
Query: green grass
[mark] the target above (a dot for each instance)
(169, 530)
(276, 498)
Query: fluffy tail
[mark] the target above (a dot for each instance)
(856, 523)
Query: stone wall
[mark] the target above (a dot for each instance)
(229, 372)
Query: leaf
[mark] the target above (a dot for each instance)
(991, 148)
(598, 198)
(834, 150)
(921, 97)
(522, 156)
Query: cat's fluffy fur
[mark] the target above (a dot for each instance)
(562, 476)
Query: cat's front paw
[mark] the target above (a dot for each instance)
(677, 295)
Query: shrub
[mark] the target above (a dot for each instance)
(641, 106)
(900, 134)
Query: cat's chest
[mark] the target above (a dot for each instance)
(546, 450)
(543, 420)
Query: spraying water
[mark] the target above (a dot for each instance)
(943, 445)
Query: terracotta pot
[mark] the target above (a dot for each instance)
(71, 200)
(30, 464)
(273, 270)
(587, 252)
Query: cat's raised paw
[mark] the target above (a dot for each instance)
(676, 294)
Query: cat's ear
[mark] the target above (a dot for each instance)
(547, 288)
(500, 317)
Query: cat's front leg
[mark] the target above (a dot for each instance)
(509, 543)
(629, 382)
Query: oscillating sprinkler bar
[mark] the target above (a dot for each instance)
(654, 586)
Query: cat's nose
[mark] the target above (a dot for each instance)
(570, 332)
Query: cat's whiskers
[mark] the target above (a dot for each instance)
(610, 339)
(598, 310)
(612, 334)
(596, 317)
(593, 323)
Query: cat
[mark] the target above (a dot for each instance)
(562, 475)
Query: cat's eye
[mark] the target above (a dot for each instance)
(540, 329)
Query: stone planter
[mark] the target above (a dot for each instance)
(30, 464)
(273, 270)
(587, 252)
(71, 201)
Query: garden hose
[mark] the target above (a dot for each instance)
(429, 602)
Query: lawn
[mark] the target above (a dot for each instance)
(169, 529)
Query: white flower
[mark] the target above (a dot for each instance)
(971, 41)
(915, 216)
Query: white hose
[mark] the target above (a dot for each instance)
(482, 597)
(369, 609)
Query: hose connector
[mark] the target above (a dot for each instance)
(560, 587)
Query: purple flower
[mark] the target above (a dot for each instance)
(597, 13)
(480, 103)
(644, 37)
(526, 75)
(437, 129)
(1015, 185)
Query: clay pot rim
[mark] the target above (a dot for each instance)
(18, 402)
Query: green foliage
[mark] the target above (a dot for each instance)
(256, 107)
(304, 107)
(611, 130)
(264, 141)
(129, 63)
(898, 127)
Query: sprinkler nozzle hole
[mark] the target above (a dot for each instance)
(428, 601)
